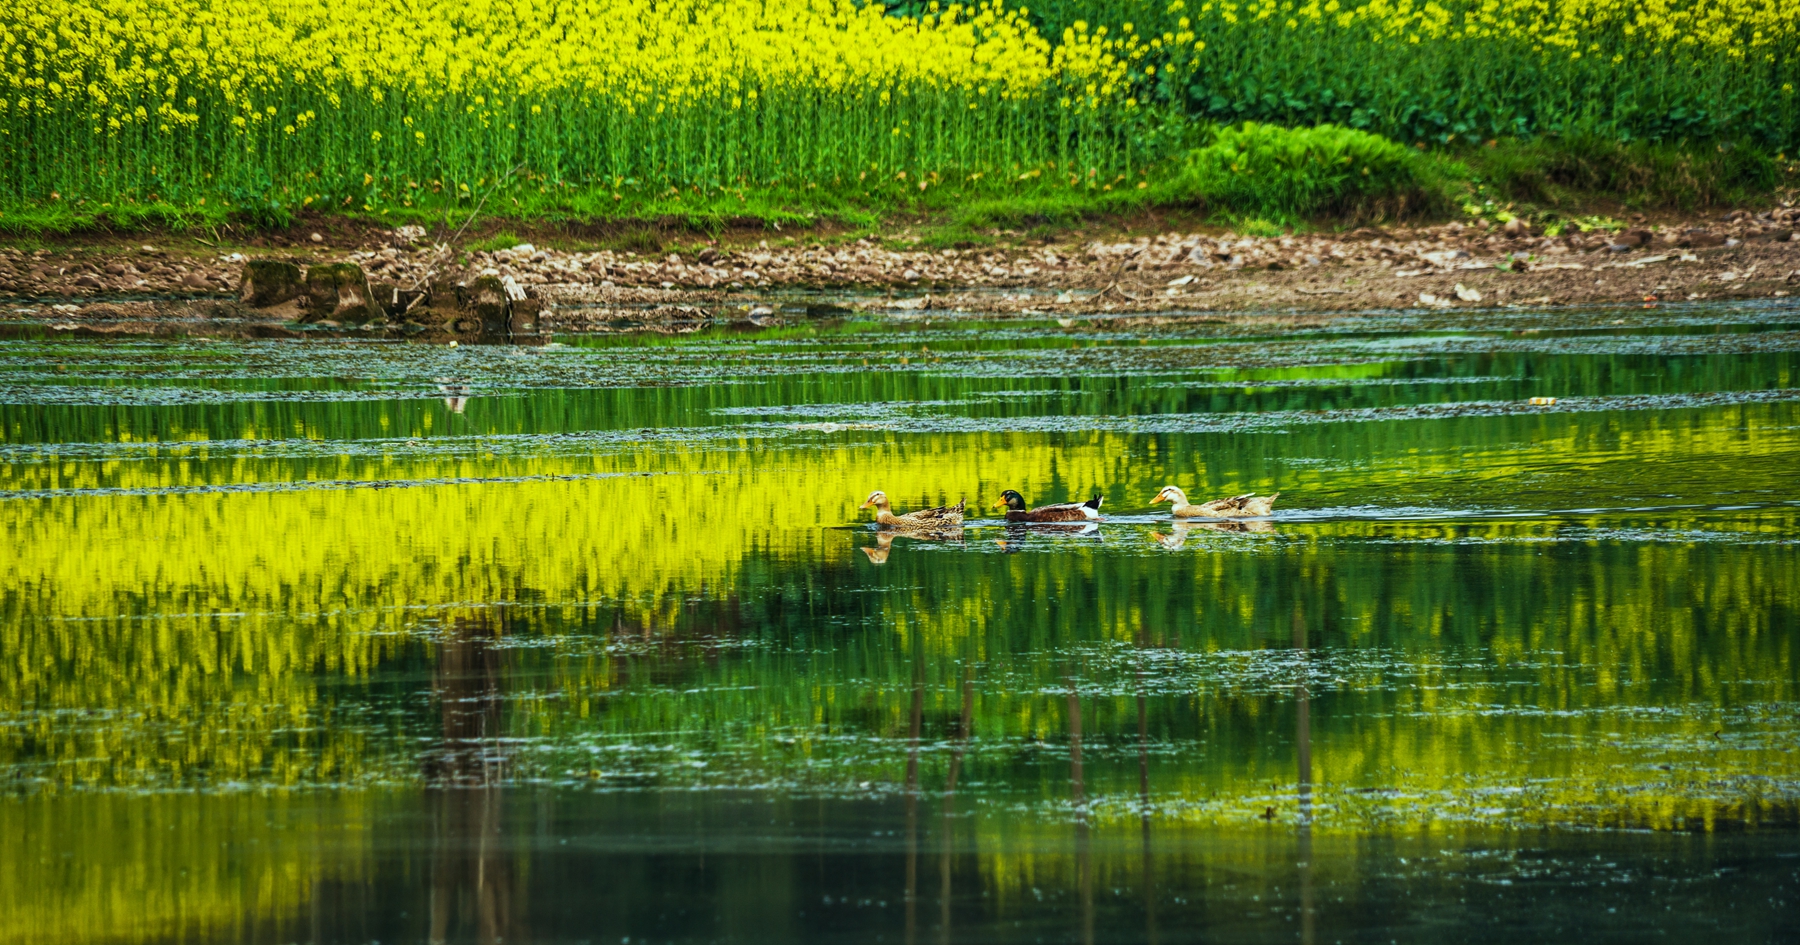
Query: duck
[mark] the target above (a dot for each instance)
(1088, 511)
(946, 516)
(1248, 505)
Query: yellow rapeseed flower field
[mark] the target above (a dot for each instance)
(360, 105)
(1437, 69)
(153, 96)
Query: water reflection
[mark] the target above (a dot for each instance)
(1148, 866)
(885, 538)
(878, 553)
(1176, 537)
(1084, 857)
(1304, 775)
(915, 721)
(602, 661)
(946, 828)
(472, 881)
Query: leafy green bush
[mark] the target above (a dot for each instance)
(1290, 174)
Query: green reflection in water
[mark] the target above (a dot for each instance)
(248, 635)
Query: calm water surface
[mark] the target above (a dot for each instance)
(356, 642)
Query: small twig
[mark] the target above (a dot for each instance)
(1321, 291)
(1114, 285)
(444, 247)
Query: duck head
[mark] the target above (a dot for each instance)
(876, 500)
(1013, 501)
(1170, 494)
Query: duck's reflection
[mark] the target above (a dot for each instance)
(472, 884)
(1017, 536)
(1021, 532)
(456, 395)
(884, 540)
(878, 553)
(1177, 535)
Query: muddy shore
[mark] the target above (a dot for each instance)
(136, 287)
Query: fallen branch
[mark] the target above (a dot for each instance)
(443, 248)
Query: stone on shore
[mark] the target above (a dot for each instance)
(486, 300)
(270, 282)
(340, 292)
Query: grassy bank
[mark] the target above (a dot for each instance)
(1258, 180)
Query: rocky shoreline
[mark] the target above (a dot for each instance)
(398, 282)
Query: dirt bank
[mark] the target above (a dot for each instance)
(1452, 265)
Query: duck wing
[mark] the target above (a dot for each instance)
(1227, 508)
(930, 531)
(942, 516)
(1066, 512)
(1260, 506)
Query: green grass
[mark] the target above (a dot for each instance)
(1259, 179)
(1566, 173)
(498, 241)
(642, 217)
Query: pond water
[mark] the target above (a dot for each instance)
(368, 642)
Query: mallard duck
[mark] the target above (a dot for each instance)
(1088, 511)
(948, 516)
(1248, 505)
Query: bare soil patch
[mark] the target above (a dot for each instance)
(1174, 272)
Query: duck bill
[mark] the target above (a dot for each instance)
(1160, 497)
(999, 504)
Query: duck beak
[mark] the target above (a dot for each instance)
(1160, 497)
(997, 504)
(864, 505)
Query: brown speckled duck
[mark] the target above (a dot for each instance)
(1248, 505)
(947, 516)
(1088, 511)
